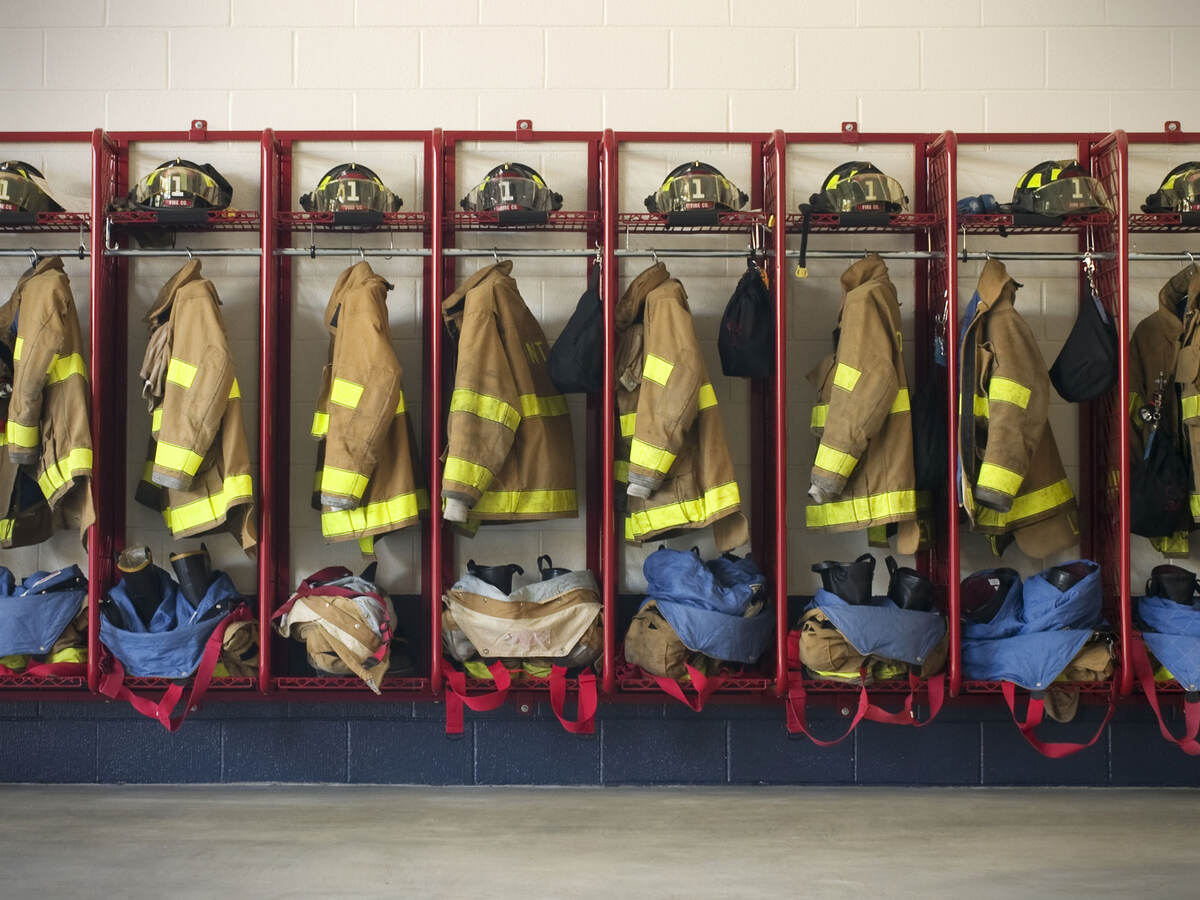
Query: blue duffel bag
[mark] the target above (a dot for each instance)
(1169, 619)
(35, 614)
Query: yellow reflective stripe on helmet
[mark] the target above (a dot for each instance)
(1194, 502)
(998, 478)
(181, 459)
(209, 509)
(672, 515)
(156, 420)
(78, 460)
(345, 393)
(1027, 505)
(861, 509)
(532, 405)
(320, 425)
(834, 460)
(707, 397)
(181, 373)
(1191, 406)
(628, 424)
(525, 502)
(1008, 391)
(657, 369)
(820, 413)
(235, 390)
(491, 408)
(394, 511)
(466, 472)
(650, 457)
(846, 377)
(18, 347)
(21, 435)
(63, 367)
(1035, 181)
(342, 481)
(621, 470)
(901, 403)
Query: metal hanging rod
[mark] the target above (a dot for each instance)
(549, 251)
(1036, 254)
(354, 251)
(683, 252)
(1150, 256)
(858, 254)
(80, 252)
(182, 251)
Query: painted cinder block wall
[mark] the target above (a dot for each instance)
(974, 65)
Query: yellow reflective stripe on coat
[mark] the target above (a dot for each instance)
(63, 367)
(980, 407)
(345, 393)
(1195, 504)
(400, 407)
(68, 655)
(1008, 391)
(621, 470)
(21, 435)
(1026, 505)
(181, 373)
(650, 457)
(320, 425)
(820, 413)
(834, 460)
(393, 511)
(672, 515)
(861, 509)
(1135, 401)
(901, 403)
(156, 420)
(170, 456)
(707, 397)
(846, 377)
(211, 508)
(466, 472)
(18, 346)
(342, 481)
(63, 470)
(235, 391)
(533, 406)
(6, 529)
(525, 502)
(1191, 406)
(657, 369)
(998, 478)
(628, 424)
(491, 408)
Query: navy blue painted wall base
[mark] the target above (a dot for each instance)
(404, 743)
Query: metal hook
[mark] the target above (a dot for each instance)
(82, 245)
(496, 255)
(963, 255)
(654, 256)
(189, 252)
(312, 240)
(108, 244)
(599, 254)
(362, 256)
(33, 257)
(1191, 259)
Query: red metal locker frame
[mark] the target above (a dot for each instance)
(279, 226)
(447, 222)
(17, 687)
(1104, 538)
(932, 229)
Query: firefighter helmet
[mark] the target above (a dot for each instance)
(511, 186)
(350, 187)
(859, 187)
(1179, 192)
(23, 189)
(696, 186)
(1058, 188)
(182, 184)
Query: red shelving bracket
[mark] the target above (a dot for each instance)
(524, 130)
(849, 132)
(198, 130)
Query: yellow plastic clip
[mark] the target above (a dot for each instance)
(801, 271)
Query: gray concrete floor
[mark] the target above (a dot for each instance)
(339, 842)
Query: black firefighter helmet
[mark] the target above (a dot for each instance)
(511, 186)
(350, 187)
(859, 187)
(23, 189)
(696, 186)
(182, 184)
(1058, 188)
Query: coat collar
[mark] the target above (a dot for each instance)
(8, 312)
(1183, 284)
(452, 306)
(994, 285)
(357, 275)
(162, 304)
(870, 268)
(629, 308)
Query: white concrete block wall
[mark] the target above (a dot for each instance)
(970, 65)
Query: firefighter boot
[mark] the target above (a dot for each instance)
(850, 581)
(194, 573)
(548, 569)
(1173, 582)
(141, 581)
(499, 577)
(908, 588)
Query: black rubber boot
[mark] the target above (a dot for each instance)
(1064, 578)
(1173, 582)
(908, 588)
(982, 594)
(549, 570)
(194, 573)
(499, 577)
(850, 581)
(140, 577)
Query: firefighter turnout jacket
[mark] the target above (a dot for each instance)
(1187, 373)
(1012, 479)
(510, 453)
(862, 475)
(46, 444)
(198, 468)
(1153, 355)
(672, 458)
(365, 483)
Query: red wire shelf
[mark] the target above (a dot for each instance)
(342, 683)
(43, 682)
(992, 223)
(324, 221)
(215, 220)
(44, 222)
(521, 681)
(633, 679)
(217, 684)
(898, 223)
(886, 686)
(561, 220)
(661, 223)
(1163, 222)
(995, 687)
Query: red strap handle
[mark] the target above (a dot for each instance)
(585, 719)
(796, 707)
(316, 584)
(1033, 718)
(1191, 708)
(113, 686)
(46, 670)
(456, 680)
(705, 686)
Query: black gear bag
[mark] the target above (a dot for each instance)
(1086, 366)
(576, 362)
(1159, 488)
(747, 338)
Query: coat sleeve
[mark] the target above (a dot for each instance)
(485, 408)
(865, 387)
(1018, 394)
(669, 400)
(198, 386)
(40, 335)
(364, 396)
